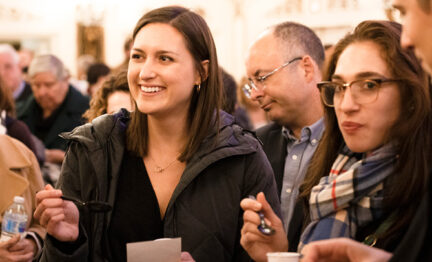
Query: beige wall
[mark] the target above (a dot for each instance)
(234, 23)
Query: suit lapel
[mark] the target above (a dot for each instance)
(275, 147)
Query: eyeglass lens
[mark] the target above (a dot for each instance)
(362, 91)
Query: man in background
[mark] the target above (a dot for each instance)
(283, 67)
(11, 76)
(54, 107)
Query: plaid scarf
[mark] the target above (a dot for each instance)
(350, 196)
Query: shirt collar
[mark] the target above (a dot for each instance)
(310, 133)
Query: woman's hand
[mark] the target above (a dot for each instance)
(343, 249)
(17, 249)
(186, 257)
(252, 240)
(54, 155)
(59, 217)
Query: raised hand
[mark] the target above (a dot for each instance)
(59, 217)
(252, 240)
(343, 250)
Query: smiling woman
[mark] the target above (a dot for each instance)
(177, 166)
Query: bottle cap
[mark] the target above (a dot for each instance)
(19, 200)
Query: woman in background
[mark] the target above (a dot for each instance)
(9, 125)
(111, 97)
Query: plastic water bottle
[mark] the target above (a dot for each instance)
(14, 220)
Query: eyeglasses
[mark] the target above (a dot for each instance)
(247, 88)
(363, 91)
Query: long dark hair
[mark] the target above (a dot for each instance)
(205, 103)
(425, 5)
(6, 101)
(412, 131)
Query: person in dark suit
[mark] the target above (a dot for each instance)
(283, 67)
(54, 106)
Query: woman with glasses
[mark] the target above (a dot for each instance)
(372, 165)
(175, 167)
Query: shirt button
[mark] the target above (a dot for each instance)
(294, 157)
(314, 141)
(288, 190)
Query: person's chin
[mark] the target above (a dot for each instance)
(426, 64)
(427, 67)
(277, 119)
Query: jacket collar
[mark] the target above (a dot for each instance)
(12, 158)
(231, 140)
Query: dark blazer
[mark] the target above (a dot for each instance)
(275, 147)
(22, 98)
(68, 118)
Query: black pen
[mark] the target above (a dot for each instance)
(95, 206)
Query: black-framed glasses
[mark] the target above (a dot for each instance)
(363, 91)
(259, 80)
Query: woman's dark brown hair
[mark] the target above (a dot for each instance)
(99, 101)
(425, 5)
(6, 101)
(412, 131)
(205, 103)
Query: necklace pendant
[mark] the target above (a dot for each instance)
(159, 169)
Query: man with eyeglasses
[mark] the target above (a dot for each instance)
(283, 67)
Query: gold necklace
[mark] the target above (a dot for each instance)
(161, 169)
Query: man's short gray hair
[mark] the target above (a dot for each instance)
(8, 49)
(300, 37)
(47, 63)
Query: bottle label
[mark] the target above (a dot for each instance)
(13, 226)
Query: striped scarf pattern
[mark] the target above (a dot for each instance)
(350, 196)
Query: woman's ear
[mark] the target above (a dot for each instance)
(205, 66)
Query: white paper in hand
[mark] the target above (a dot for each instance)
(159, 250)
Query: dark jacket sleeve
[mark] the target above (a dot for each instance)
(419, 232)
(258, 177)
(70, 184)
